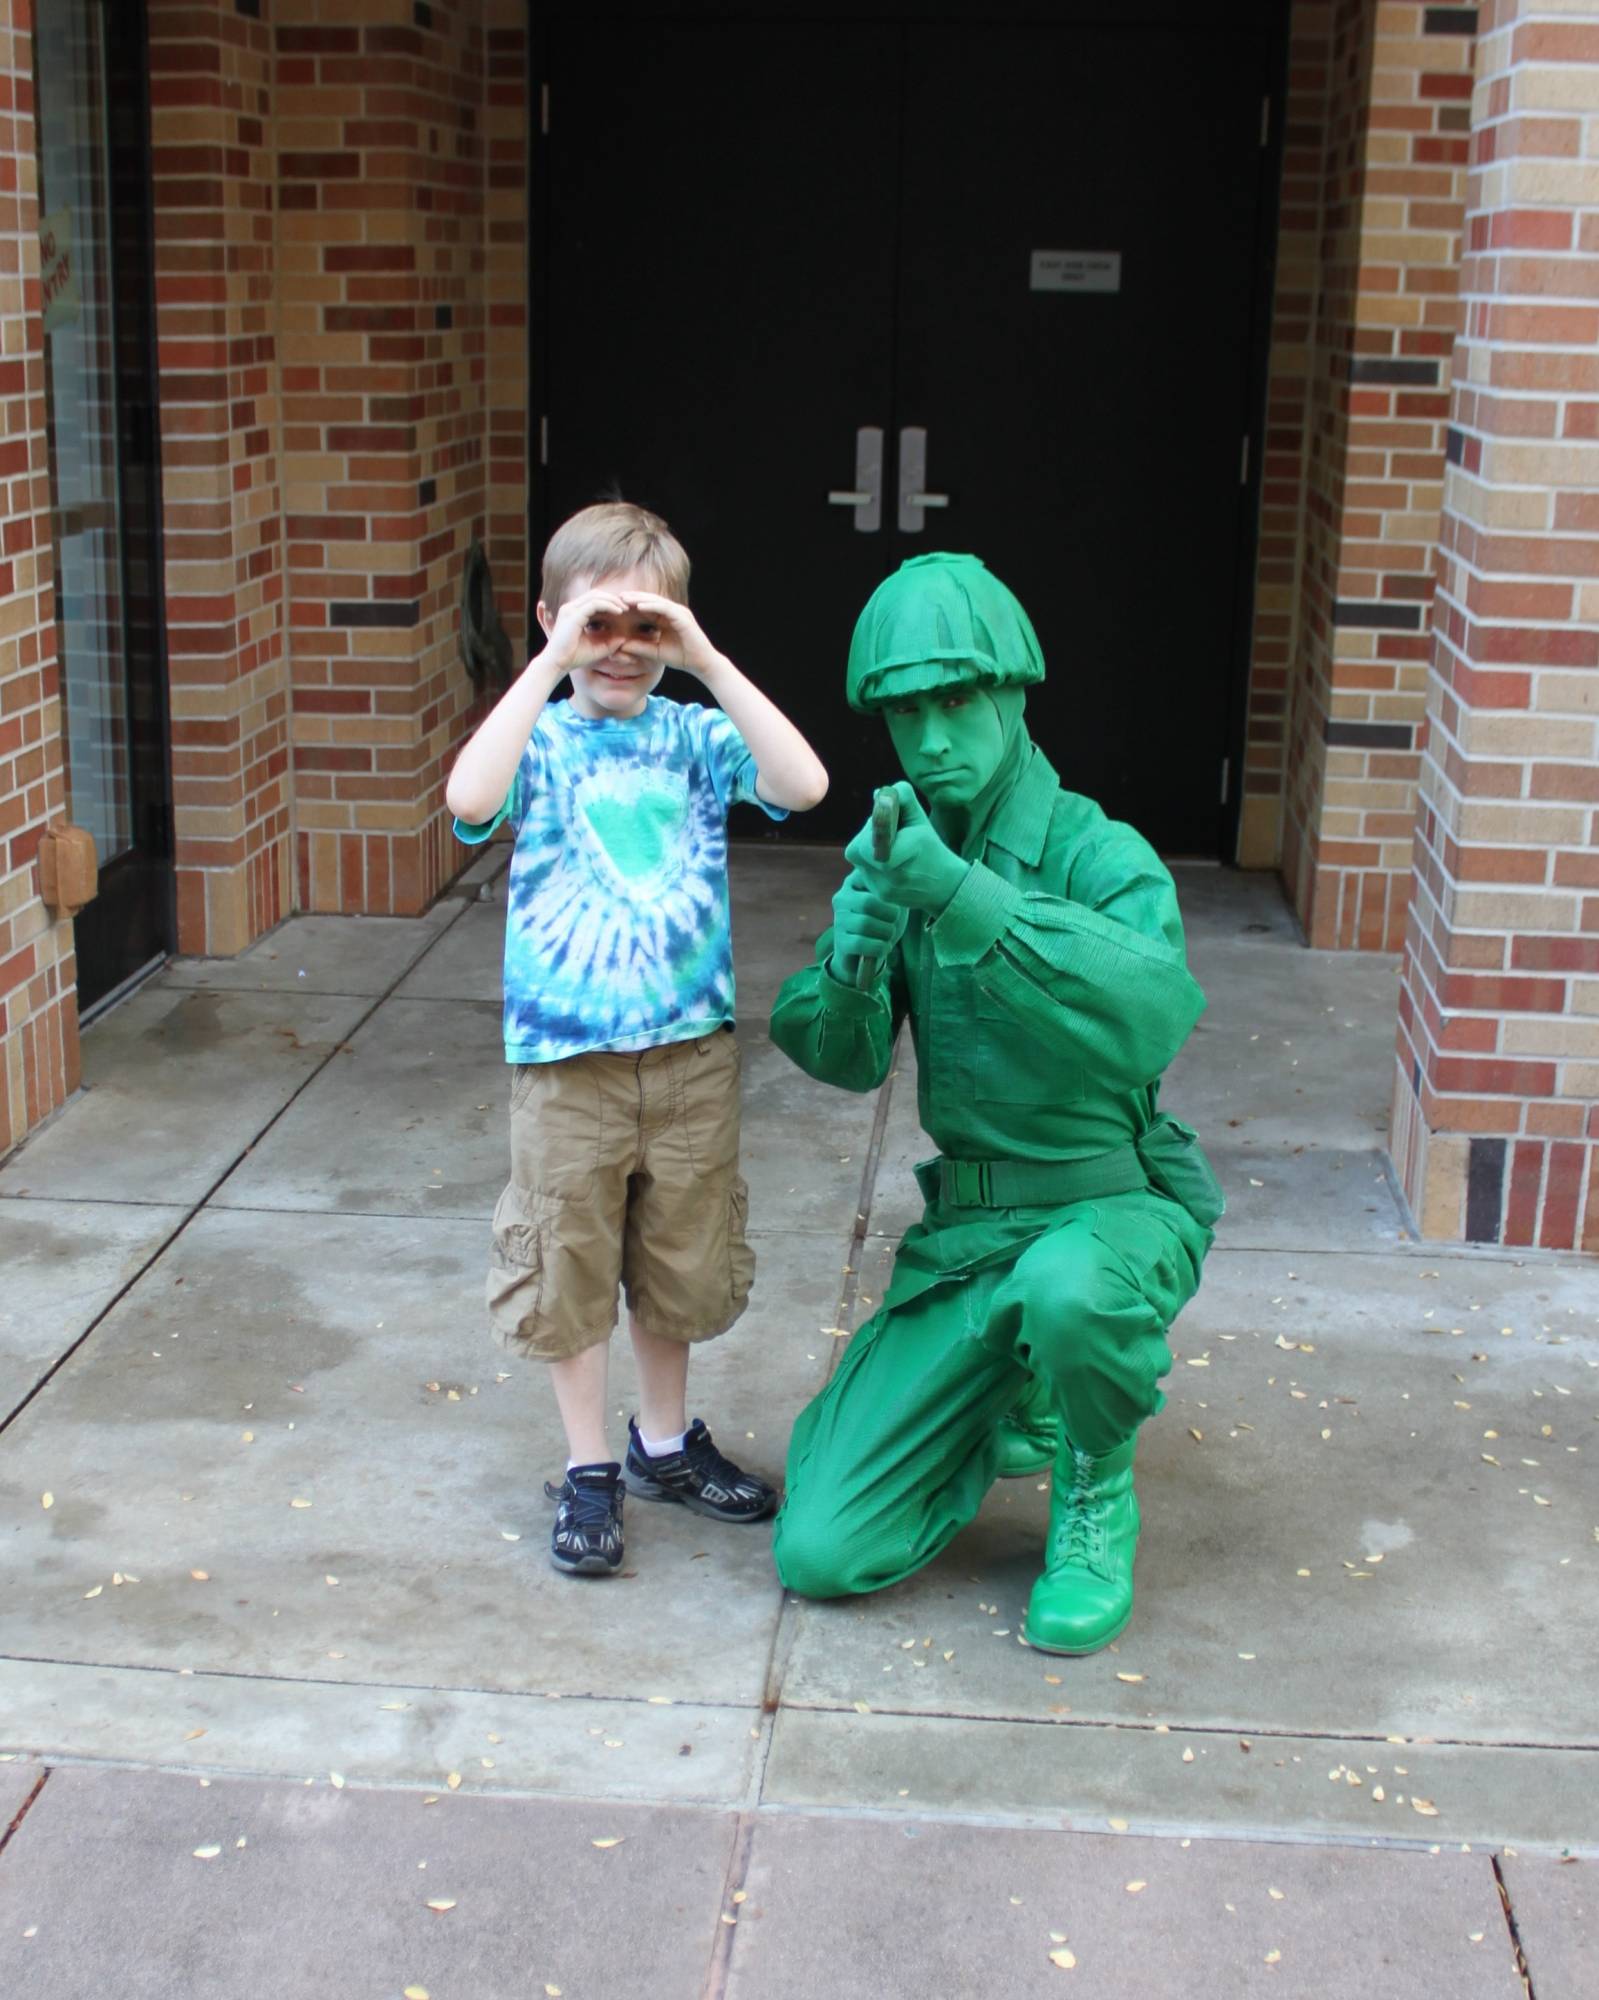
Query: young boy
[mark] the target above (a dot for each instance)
(619, 1010)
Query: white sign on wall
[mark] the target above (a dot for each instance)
(1076, 271)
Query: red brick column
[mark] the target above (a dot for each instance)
(1394, 161)
(382, 191)
(38, 1002)
(211, 137)
(1496, 1106)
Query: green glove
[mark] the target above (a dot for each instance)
(865, 931)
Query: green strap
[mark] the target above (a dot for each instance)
(1038, 1183)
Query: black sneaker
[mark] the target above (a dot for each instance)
(587, 1537)
(699, 1476)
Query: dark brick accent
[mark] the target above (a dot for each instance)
(427, 492)
(1450, 21)
(444, 316)
(1377, 617)
(1485, 1190)
(250, 9)
(387, 615)
(1404, 374)
(422, 14)
(1367, 735)
(1455, 446)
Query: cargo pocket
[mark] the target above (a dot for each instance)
(516, 1272)
(740, 1257)
(1015, 1065)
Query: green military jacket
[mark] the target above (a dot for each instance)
(1044, 1000)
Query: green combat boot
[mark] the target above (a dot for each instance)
(1027, 1443)
(1029, 1434)
(1084, 1598)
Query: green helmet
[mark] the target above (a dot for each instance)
(939, 621)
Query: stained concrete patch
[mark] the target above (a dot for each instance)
(177, 1085)
(325, 1894)
(857, 1911)
(63, 1262)
(1059, 1771)
(411, 1122)
(1479, 1621)
(321, 954)
(209, 1724)
(342, 1363)
(1556, 1910)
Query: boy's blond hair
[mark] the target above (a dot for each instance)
(607, 539)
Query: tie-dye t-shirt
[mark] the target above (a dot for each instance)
(617, 932)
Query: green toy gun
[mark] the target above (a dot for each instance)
(885, 824)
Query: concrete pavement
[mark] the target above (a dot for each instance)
(295, 1534)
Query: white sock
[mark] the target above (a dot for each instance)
(662, 1447)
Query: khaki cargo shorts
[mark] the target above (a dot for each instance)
(624, 1171)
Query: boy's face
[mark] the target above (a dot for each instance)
(616, 686)
(949, 742)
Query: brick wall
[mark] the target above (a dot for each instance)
(1395, 130)
(1496, 1106)
(38, 1011)
(1282, 488)
(212, 161)
(383, 315)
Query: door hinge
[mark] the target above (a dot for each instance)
(1243, 461)
(544, 440)
(1226, 778)
(1265, 120)
(544, 109)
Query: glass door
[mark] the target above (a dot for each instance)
(97, 304)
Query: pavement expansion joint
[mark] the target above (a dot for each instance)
(1132, 1725)
(23, 1810)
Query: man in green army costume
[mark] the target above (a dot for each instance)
(1037, 950)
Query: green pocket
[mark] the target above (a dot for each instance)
(1176, 1164)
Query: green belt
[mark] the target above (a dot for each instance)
(1032, 1183)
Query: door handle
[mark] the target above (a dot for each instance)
(866, 495)
(914, 499)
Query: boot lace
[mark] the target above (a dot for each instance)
(1083, 1531)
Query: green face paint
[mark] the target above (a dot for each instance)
(949, 743)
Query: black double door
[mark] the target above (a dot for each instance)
(1001, 277)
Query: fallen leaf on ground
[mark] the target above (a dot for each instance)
(441, 1903)
(47, 1499)
(206, 1853)
(1133, 1888)
(454, 1781)
(1065, 1959)
(1129, 1677)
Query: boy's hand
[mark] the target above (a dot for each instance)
(585, 630)
(864, 928)
(921, 872)
(677, 640)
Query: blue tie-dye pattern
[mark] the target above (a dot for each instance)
(626, 946)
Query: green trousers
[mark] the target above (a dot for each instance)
(894, 1456)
